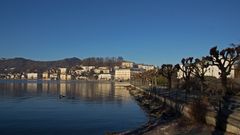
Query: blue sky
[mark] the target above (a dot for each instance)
(144, 31)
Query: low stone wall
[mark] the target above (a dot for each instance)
(233, 123)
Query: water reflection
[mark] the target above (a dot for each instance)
(53, 107)
(73, 90)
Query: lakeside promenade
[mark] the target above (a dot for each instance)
(178, 100)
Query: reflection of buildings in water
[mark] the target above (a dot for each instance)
(11, 86)
(95, 91)
(63, 89)
(103, 89)
(32, 87)
(45, 87)
(53, 87)
(121, 92)
(71, 90)
(89, 90)
(92, 91)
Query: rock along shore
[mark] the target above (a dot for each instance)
(163, 119)
(157, 112)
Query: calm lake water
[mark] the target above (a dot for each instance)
(66, 108)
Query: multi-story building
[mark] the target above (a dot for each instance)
(32, 76)
(87, 68)
(122, 74)
(104, 77)
(45, 76)
(63, 70)
(127, 64)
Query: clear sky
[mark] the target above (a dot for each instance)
(144, 31)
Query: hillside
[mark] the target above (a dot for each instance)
(26, 65)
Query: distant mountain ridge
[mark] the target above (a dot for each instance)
(19, 65)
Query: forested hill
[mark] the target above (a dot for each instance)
(27, 65)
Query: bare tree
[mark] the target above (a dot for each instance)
(167, 71)
(187, 69)
(224, 60)
(200, 68)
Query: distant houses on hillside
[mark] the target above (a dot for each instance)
(117, 73)
(80, 72)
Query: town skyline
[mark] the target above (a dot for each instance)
(153, 32)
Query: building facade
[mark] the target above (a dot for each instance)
(32, 76)
(122, 74)
(211, 71)
(104, 77)
(127, 64)
(146, 67)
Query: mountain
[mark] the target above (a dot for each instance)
(27, 65)
(18, 65)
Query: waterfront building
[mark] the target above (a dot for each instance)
(33, 76)
(122, 74)
(45, 76)
(81, 78)
(68, 77)
(53, 76)
(104, 77)
(63, 77)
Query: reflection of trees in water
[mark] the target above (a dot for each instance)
(89, 91)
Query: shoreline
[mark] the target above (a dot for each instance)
(165, 120)
(158, 113)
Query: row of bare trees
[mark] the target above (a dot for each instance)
(194, 70)
(197, 68)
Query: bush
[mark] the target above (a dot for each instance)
(199, 110)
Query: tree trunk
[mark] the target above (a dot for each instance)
(169, 84)
(224, 84)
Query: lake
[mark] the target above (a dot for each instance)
(66, 108)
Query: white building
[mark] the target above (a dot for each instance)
(32, 76)
(104, 77)
(106, 71)
(65, 77)
(146, 67)
(87, 68)
(102, 68)
(79, 71)
(122, 74)
(215, 72)
(69, 77)
(82, 78)
(211, 71)
(127, 64)
(53, 76)
(45, 76)
(63, 70)
(97, 71)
